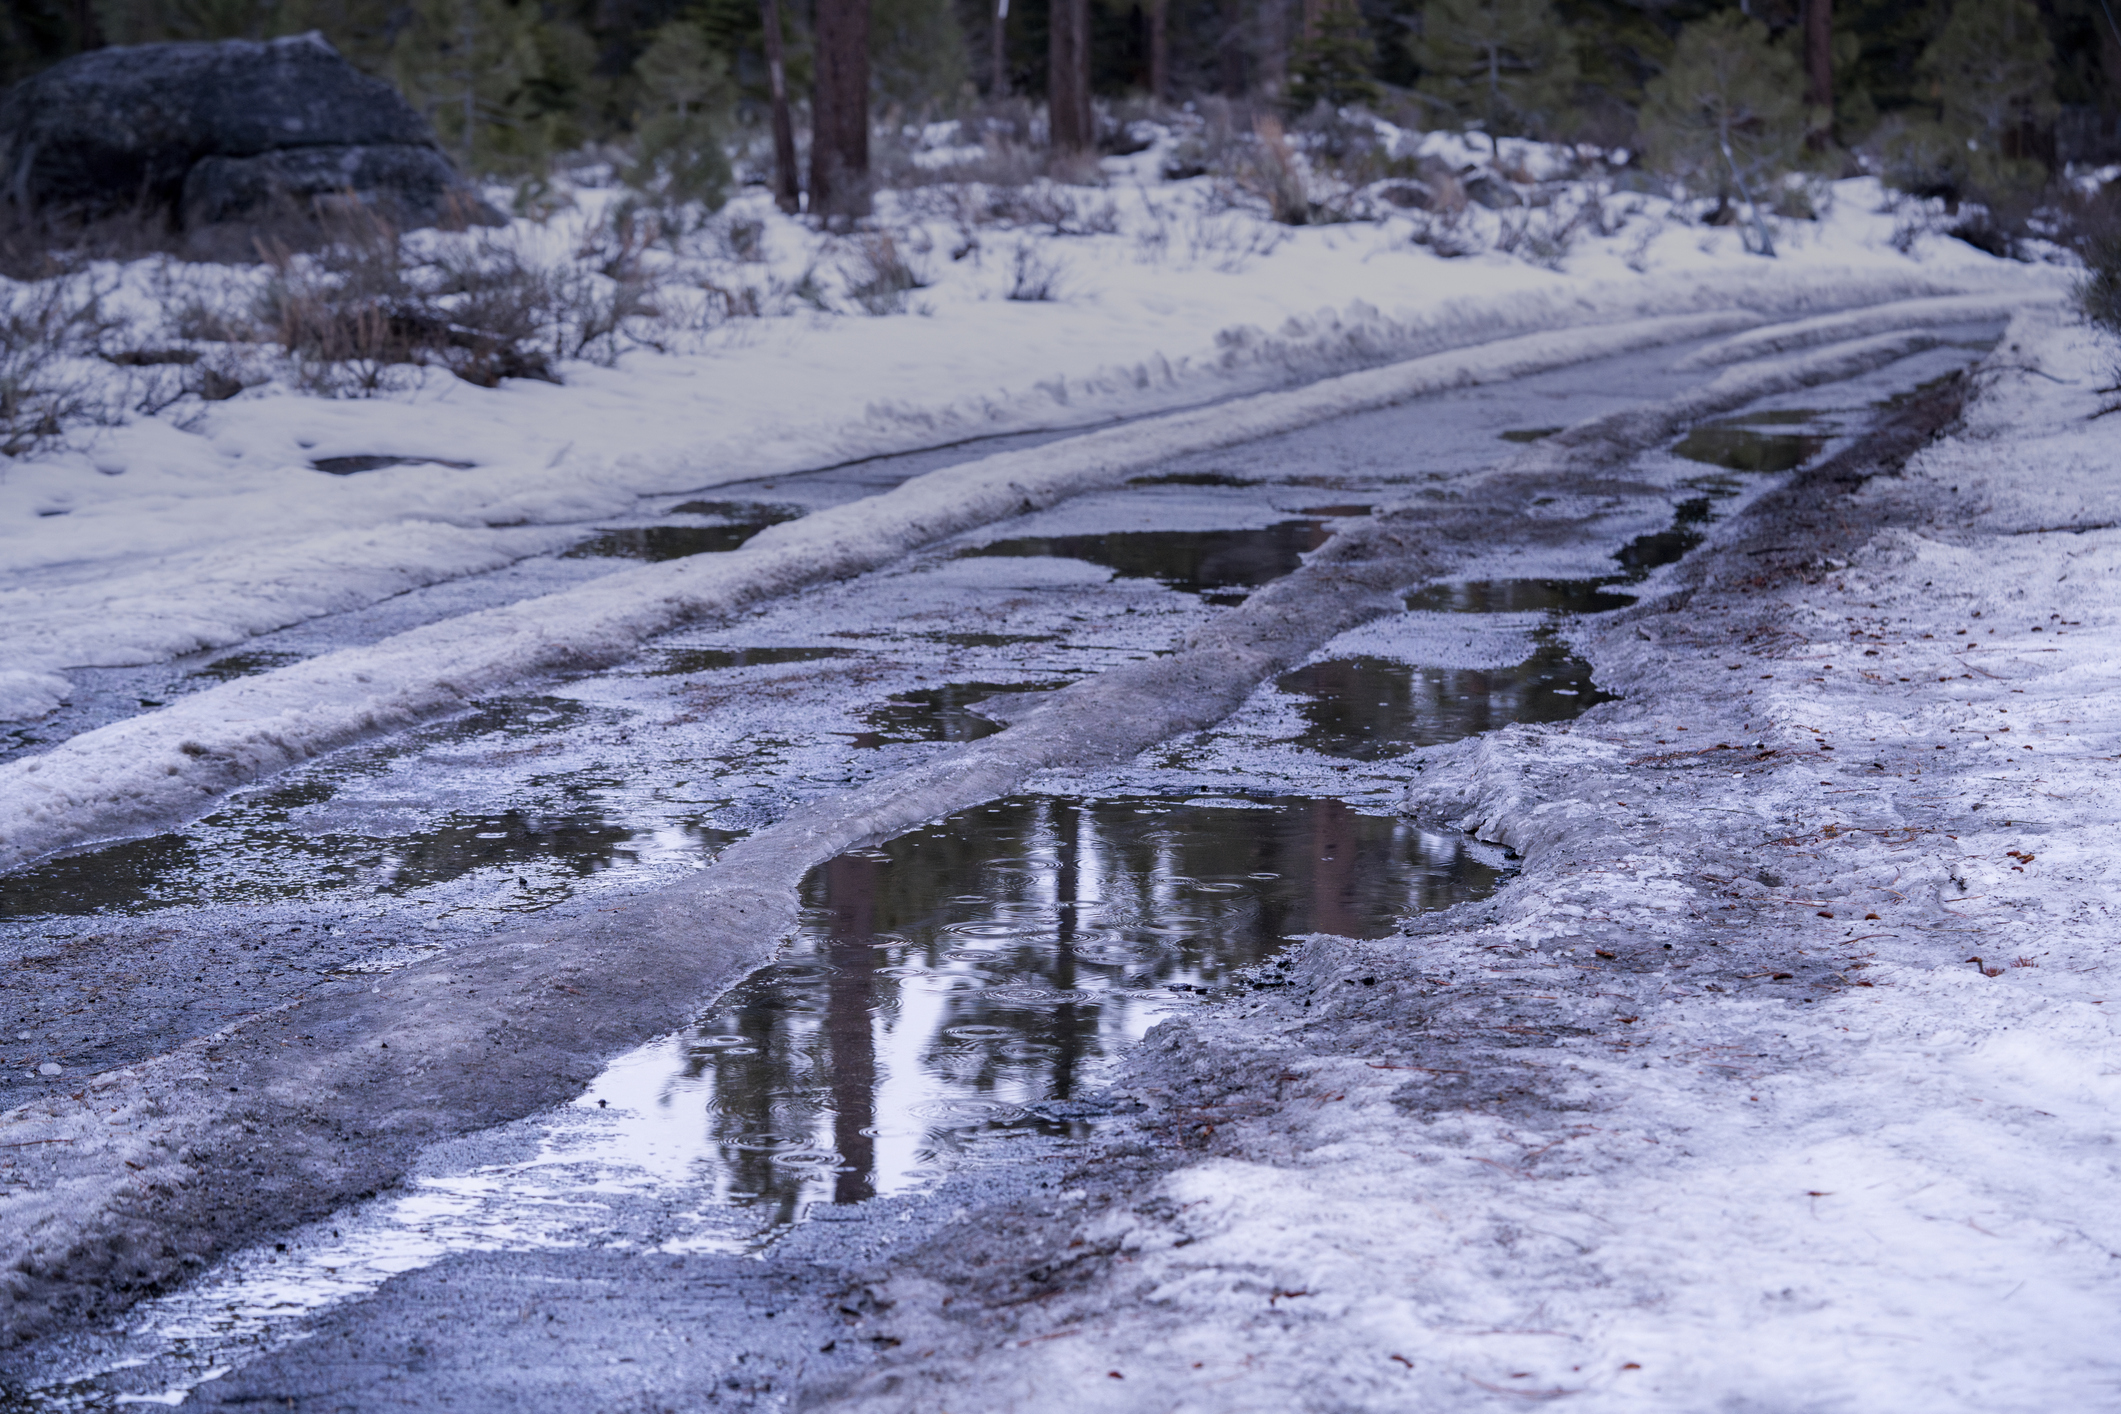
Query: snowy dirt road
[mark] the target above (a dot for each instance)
(1168, 1231)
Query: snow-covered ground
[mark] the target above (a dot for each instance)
(204, 524)
(1782, 1079)
(1842, 1146)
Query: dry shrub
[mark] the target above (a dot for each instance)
(879, 277)
(1275, 174)
(359, 312)
(1034, 277)
(50, 330)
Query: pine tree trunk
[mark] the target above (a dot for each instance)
(839, 111)
(1819, 71)
(785, 192)
(1068, 77)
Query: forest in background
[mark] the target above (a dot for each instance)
(1978, 96)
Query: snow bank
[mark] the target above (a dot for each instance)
(1855, 324)
(197, 528)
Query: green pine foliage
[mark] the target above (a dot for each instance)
(1337, 64)
(1989, 77)
(688, 110)
(1727, 114)
(918, 62)
(1508, 65)
(483, 72)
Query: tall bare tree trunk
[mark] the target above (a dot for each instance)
(1068, 77)
(1159, 50)
(786, 195)
(998, 52)
(1819, 71)
(839, 111)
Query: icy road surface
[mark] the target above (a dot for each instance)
(572, 800)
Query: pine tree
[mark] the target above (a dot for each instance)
(1506, 64)
(1992, 73)
(681, 158)
(1335, 60)
(1728, 112)
(474, 68)
(917, 57)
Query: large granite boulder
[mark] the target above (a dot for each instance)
(214, 132)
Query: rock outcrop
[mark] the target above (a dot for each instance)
(216, 132)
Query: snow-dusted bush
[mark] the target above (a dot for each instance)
(50, 331)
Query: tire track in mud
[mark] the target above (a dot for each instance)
(147, 1174)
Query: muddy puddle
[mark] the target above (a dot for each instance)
(947, 712)
(1221, 566)
(965, 982)
(355, 465)
(1370, 709)
(739, 521)
(675, 661)
(264, 856)
(300, 841)
(1524, 596)
(246, 664)
(1740, 445)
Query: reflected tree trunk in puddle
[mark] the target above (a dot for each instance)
(1332, 839)
(850, 1036)
(997, 960)
(1069, 1018)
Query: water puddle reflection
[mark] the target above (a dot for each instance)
(949, 712)
(311, 837)
(1219, 565)
(1741, 448)
(963, 983)
(354, 465)
(1523, 596)
(246, 664)
(673, 661)
(1369, 709)
(740, 521)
